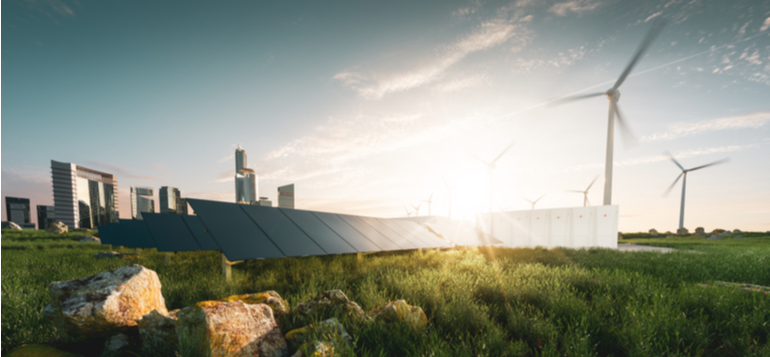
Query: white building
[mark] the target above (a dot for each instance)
(82, 197)
(286, 196)
(141, 201)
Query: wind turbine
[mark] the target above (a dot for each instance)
(449, 190)
(684, 182)
(408, 214)
(429, 201)
(491, 166)
(416, 209)
(585, 193)
(533, 202)
(613, 94)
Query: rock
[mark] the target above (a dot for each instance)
(700, 231)
(668, 233)
(107, 255)
(104, 304)
(90, 239)
(270, 298)
(328, 338)
(56, 227)
(157, 333)
(37, 350)
(718, 231)
(654, 232)
(116, 346)
(715, 237)
(682, 231)
(399, 310)
(334, 299)
(727, 232)
(229, 328)
(737, 231)
(10, 225)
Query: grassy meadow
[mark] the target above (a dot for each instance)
(479, 302)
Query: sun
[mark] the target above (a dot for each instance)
(470, 191)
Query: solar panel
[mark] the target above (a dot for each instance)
(170, 232)
(292, 241)
(330, 241)
(360, 242)
(136, 234)
(369, 232)
(107, 234)
(237, 235)
(401, 241)
(421, 234)
(198, 230)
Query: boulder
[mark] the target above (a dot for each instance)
(727, 232)
(715, 237)
(104, 304)
(332, 299)
(36, 350)
(328, 338)
(10, 225)
(229, 328)
(682, 231)
(736, 231)
(700, 231)
(107, 255)
(718, 231)
(315, 349)
(56, 227)
(269, 298)
(399, 310)
(117, 346)
(654, 232)
(157, 333)
(90, 239)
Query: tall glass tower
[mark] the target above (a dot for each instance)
(171, 201)
(17, 210)
(141, 201)
(245, 179)
(286, 196)
(82, 197)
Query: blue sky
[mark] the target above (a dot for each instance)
(366, 106)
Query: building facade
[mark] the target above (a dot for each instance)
(142, 200)
(17, 210)
(171, 201)
(263, 201)
(286, 196)
(82, 197)
(245, 186)
(240, 158)
(45, 216)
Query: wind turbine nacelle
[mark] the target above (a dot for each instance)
(613, 94)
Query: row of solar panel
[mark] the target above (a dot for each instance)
(244, 232)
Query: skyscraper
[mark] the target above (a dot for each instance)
(82, 197)
(240, 158)
(141, 201)
(45, 216)
(245, 179)
(171, 201)
(17, 211)
(286, 196)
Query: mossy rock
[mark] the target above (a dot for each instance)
(39, 350)
(399, 310)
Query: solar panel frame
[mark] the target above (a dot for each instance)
(238, 236)
(423, 232)
(358, 241)
(136, 234)
(200, 233)
(283, 232)
(170, 232)
(416, 232)
(369, 232)
(318, 231)
(390, 233)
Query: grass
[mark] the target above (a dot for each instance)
(479, 302)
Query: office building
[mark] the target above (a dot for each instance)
(142, 200)
(82, 197)
(45, 216)
(286, 196)
(240, 158)
(17, 210)
(171, 201)
(245, 186)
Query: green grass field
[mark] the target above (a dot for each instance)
(489, 302)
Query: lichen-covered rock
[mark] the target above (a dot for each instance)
(399, 310)
(39, 350)
(700, 231)
(116, 346)
(157, 333)
(56, 227)
(104, 304)
(215, 328)
(328, 338)
(654, 232)
(718, 231)
(269, 298)
(335, 299)
(682, 231)
(107, 255)
(90, 239)
(11, 225)
(736, 231)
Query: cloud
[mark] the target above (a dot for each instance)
(461, 83)
(375, 86)
(112, 169)
(765, 25)
(227, 176)
(576, 6)
(678, 130)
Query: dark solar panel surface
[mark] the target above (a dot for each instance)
(318, 231)
(292, 241)
(237, 235)
(352, 236)
(399, 240)
(136, 234)
(107, 234)
(170, 232)
(423, 233)
(369, 232)
(413, 236)
(198, 230)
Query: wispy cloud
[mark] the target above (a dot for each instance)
(462, 83)
(123, 173)
(375, 86)
(678, 130)
(765, 25)
(574, 6)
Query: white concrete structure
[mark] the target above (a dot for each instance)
(82, 197)
(578, 227)
(141, 201)
(286, 196)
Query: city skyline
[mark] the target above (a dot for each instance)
(389, 108)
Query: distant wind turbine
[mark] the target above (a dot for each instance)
(684, 182)
(429, 201)
(585, 193)
(613, 94)
(533, 202)
(449, 193)
(407, 211)
(491, 166)
(416, 210)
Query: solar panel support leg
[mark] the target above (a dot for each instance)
(226, 268)
(419, 251)
(167, 256)
(109, 247)
(138, 250)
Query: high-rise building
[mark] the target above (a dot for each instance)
(245, 186)
(171, 201)
(240, 158)
(84, 198)
(45, 216)
(286, 196)
(142, 200)
(17, 210)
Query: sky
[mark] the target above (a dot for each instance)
(371, 107)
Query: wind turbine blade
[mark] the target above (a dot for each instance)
(528, 200)
(431, 197)
(478, 158)
(674, 160)
(672, 185)
(711, 164)
(538, 199)
(560, 101)
(654, 31)
(574, 191)
(628, 137)
(503, 153)
(445, 183)
(592, 183)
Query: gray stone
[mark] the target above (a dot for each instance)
(682, 231)
(56, 227)
(11, 225)
(737, 230)
(116, 346)
(158, 333)
(728, 232)
(90, 239)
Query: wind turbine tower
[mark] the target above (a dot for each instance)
(534, 202)
(491, 167)
(429, 201)
(416, 210)
(683, 176)
(585, 193)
